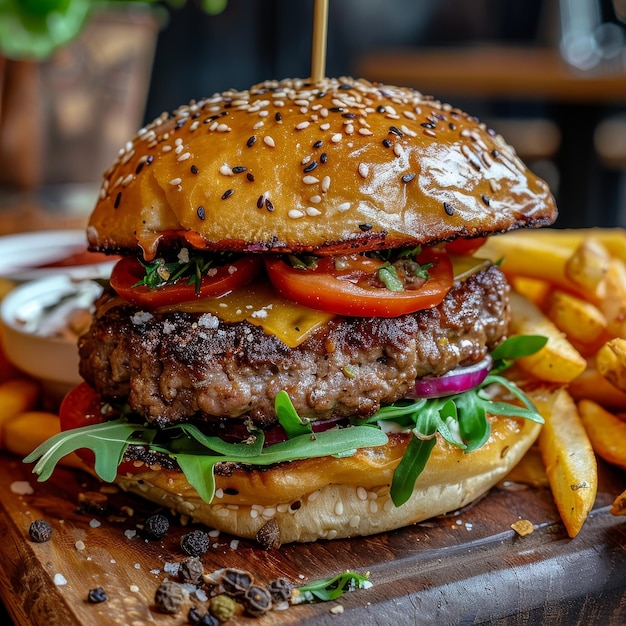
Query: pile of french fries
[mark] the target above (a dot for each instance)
(570, 286)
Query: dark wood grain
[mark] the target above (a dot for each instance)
(465, 568)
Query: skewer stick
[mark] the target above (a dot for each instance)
(318, 55)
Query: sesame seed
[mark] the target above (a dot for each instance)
(485, 199)
(194, 169)
(310, 180)
(312, 211)
(344, 206)
(166, 148)
(315, 199)
(318, 144)
(361, 492)
(176, 181)
(429, 132)
(278, 117)
(269, 205)
(261, 201)
(200, 212)
(184, 156)
(238, 169)
(339, 508)
(302, 125)
(250, 177)
(310, 167)
(268, 141)
(336, 138)
(407, 178)
(395, 131)
(364, 170)
(324, 126)
(139, 167)
(349, 129)
(366, 132)
(251, 141)
(118, 199)
(325, 184)
(294, 214)
(223, 128)
(448, 208)
(387, 143)
(127, 180)
(323, 158)
(398, 150)
(226, 170)
(228, 193)
(365, 227)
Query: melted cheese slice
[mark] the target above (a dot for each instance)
(261, 305)
(292, 323)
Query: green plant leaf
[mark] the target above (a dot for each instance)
(288, 417)
(325, 589)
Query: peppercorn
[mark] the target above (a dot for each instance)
(169, 597)
(223, 607)
(258, 600)
(235, 581)
(209, 620)
(280, 589)
(156, 526)
(40, 531)
(97, 595)
(195, 543)
(191, 570)
(194, 616)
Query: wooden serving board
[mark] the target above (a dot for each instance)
(469, 567)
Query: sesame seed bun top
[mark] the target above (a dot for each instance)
(293, 166)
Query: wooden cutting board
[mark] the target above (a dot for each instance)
(468, 567)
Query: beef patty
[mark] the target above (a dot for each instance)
(182, 366)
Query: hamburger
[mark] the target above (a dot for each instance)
(299, 340)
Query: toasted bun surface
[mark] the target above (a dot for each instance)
(290, 166)
(331, 498)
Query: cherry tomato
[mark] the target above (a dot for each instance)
(82, 407)
(465, 246)
(355, 290)
(226, 278)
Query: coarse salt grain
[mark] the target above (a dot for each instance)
(21, 487)
(60, 580)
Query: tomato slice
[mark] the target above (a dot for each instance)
(82, 407)
(354, 289)
(465, 246)
(222, 280)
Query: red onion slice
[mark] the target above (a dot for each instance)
(456, 381)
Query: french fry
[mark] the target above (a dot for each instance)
(611, 362)
(592, 385)
(27, 429)
(16, 395)
(558, 361)
(613, 302)
(529, 257)
(588, 265)
(580, 320)
(613, 239)
(619, 504)
(606, 432)
(536, 290)
(568, 457)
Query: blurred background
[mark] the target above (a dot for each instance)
(550, 75)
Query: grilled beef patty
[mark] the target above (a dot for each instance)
(181, 366)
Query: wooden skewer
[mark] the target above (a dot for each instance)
(318, 55)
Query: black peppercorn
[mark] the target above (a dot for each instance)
(208, 620)
(97, 595)
(169, 597)
(156, 526)
(195, 543)
(194, 616)
(191, 570)
(40, 531)
(280, 589)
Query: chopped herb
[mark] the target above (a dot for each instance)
(326, 589)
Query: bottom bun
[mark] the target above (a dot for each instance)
(332, 498)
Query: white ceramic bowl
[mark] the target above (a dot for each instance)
(37, 317)
(28, 256)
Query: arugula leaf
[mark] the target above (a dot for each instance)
(326, 589)
(389, 277)
(108, 439)
(288, 416)
(516, 347)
